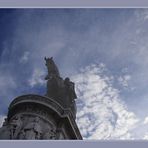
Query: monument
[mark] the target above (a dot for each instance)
(52, 116)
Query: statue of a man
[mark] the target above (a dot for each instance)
(70, 94)
(70, 88)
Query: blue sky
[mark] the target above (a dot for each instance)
(104, 51)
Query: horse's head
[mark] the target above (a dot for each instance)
(51, 66)
(49, 61)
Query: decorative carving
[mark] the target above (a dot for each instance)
(21, 135)
(50, 134)
(15, 126)
(5, 130)
(32, 130)
(37, 99)
(5, 122)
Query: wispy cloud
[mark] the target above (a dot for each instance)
(124, 80)
(37, 78)
(145, 120)
(145, 136)
(25, 57)
(101, 112)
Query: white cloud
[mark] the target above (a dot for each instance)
(37, 78)
(145, 120)
(101, 112)
(145, 136)
(25, 57)
(2, 120)
(124, 80)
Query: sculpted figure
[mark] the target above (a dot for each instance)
(33, 129)
(63, 91)
(70, 89)
(5, 130)
(52, 68)
(55, 83)
(70, 95)
(21, 135)
(50, 134)
(15, 126)
(5, 122)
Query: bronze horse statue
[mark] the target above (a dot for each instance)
(52, 68)
(60, 90)
(53, 77)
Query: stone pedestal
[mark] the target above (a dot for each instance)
(39, 117)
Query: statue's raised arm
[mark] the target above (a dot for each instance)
(52, 68)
